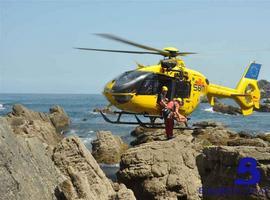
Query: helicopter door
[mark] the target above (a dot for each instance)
(181, 88)
(152, 85)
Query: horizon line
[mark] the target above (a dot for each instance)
(53, 93)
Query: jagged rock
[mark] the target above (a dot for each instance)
(245, 134)
(85, 179)
(108, 148)
(59, 118)
(206, 133)
(265, 137)
(26, 170)
(266, 101)
(218, 170)
(218, 135)
(162, 169)
(264, 86)
(46, 127)
(137, 131)
(227, 109)
(205, 124)
(256, 142)
(204, 99)
(104, 110)
(122, 192)
(263, 108)
(150, 135)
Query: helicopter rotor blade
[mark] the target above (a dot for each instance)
(118, 51)
(119, 39)
(185, 53)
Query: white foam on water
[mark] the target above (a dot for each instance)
(2, 107)
(94, 113)
(210, 109)
(90, 131)
(109, 165)
(87, 140)
(72, 131)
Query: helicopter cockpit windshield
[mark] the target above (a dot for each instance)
(129, 82)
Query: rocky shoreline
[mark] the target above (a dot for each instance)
(38, 162)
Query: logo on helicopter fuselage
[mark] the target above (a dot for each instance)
(199, 86)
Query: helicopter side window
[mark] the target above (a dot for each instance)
(129, 82)
(182, 89)
(149, 87)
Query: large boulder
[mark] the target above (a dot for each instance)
(26, 169)
(108, 148)
(218, 168)
(264, 86)
(226, 109)
(59, 118)
(85, 179)
(263, 108)
(162, 169)
(47, 127)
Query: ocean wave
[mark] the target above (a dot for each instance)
(109, 165)
(2, 107)
(72, 132)
(94, 113)
(91, 131)
(87, 140)
(210, 109)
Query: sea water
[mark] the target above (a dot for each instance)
(85, 123)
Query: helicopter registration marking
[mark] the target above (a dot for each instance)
(199, 86)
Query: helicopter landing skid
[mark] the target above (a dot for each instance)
(137, 122)
(152, 118)
(161, 125)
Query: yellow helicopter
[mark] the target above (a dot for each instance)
(135, 92)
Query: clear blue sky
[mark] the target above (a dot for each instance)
(36, 40)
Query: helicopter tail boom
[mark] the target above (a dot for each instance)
(246, 94)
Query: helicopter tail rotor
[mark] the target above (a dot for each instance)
(246, 94)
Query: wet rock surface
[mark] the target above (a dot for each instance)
(108, 148)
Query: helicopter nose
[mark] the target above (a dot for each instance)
(108, 89)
